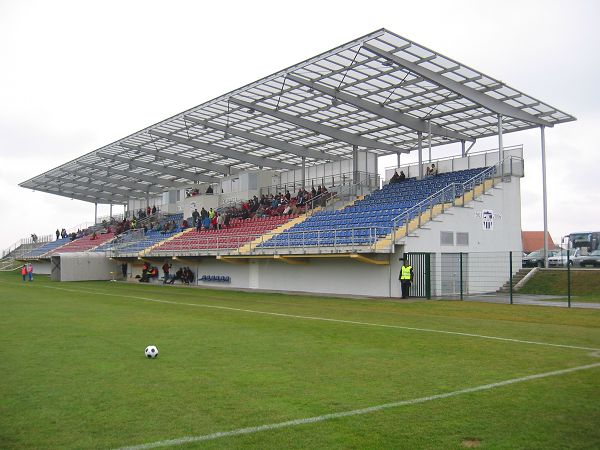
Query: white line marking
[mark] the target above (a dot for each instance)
(355, 412)
(325, 319)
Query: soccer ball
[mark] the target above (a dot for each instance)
(151, 351)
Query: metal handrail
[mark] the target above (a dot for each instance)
(406, 216)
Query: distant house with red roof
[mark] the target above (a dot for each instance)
(534, 240)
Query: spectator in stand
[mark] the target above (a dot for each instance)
(395, 178)
(211, 213)
(94, 236)
(209, 189)
(64, 233)
(313, 192)
(153, 209)
(220, 221)
(184, 224)
(213, 222)
(198, 224)
(203, 213)
(195, 216)
(433, 170)
(206, 223)
(148, 210)
(227, 220)
(402, 176)
(133, 223)
(288, 196)
(24, 272)
(57, 234)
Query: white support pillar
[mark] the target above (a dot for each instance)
(110, 211)
(354, 164)
(500, 145)
(95, 213)
(429, 139)
(304, 172)
(420, 149)
(463, 152)
(544, 195)
(398, 159)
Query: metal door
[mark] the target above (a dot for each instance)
(421, 264)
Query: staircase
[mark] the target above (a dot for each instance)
(515, 279)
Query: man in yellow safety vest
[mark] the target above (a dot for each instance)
(406, 277)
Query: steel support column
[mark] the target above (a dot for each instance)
(420, 149)
(95, 213)
(429, 139)
(355, 164)
(304, 172)
(500, 144)
(544, 195)
(463, 152)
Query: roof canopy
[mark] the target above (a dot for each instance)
(378, 92)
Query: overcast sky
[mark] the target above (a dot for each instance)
(77, 75)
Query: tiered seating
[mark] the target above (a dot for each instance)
(84, 243)
(369, 219)
(239, 232)
(150, 239)
(45, 248)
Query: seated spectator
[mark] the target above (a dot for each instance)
(184, 224)
(209, 189)
(433, 171)
(402, 176)
(428, 171)
(395, 178)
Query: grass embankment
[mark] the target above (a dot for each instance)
(585, 284)
(74, 374)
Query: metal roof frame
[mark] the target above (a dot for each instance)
(381, 92)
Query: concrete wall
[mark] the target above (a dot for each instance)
(504, 236)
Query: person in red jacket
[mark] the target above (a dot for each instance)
(24, 272)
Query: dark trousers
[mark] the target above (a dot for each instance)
(405, 284)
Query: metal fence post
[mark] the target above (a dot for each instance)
(428, 276)
(568, 279)
(510, 277)
(461, 276)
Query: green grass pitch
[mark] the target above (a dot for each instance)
(74, 375)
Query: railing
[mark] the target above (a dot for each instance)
(29, 242)
(482, 158)
(361, 239)
(329, 181)
(450, 193)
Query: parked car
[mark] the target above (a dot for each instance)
(536, 259)
(591, 259)
(559, 259)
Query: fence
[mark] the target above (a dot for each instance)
(500, 277)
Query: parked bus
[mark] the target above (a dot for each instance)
(587, 241)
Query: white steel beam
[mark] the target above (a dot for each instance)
(294, 149)
(340, 135)
(136, 176)
(227, 152)
(414, 123)
(495, 105)
(205, 165)
(179, 173)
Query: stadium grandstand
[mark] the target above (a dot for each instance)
(276, 185)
